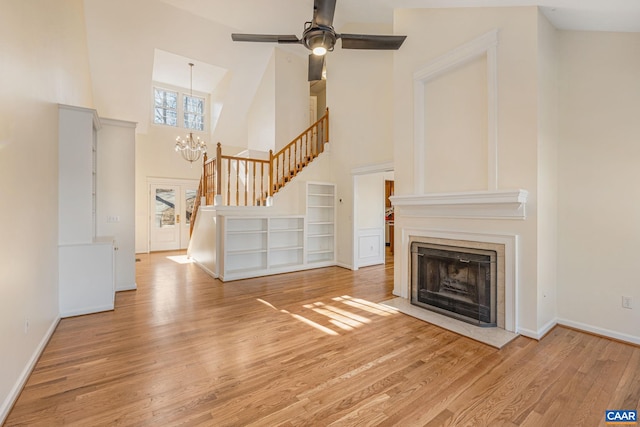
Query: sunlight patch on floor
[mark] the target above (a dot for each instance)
(345, 320)
(366, 305)
(312, 323)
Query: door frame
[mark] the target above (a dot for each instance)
(180, 182)
(363, 170)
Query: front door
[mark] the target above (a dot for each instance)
(165, 217)
(171, 206)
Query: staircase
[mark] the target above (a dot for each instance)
(245, 181)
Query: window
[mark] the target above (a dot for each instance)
(165, 107)
(170, 105)
(193, 112)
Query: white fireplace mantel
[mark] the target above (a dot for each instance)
(503, 204)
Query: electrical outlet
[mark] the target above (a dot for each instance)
(26, 325)
(626, 302)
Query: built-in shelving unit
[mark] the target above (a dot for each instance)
(286, 241)
(321, 223)
(245, 244)
(253, 246)
(256, 246)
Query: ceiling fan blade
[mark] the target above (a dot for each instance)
(267, 38)
(366, 41)
(316, 64)
(323, 11)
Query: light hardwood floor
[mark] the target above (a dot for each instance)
(308, 348)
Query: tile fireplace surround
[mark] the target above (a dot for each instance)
(414, 211)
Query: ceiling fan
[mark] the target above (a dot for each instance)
(320, 37)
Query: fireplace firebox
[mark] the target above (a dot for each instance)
(456, 281)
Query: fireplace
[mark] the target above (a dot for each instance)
(459, 282)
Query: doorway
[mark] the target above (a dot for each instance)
(370, 214)
(170, 207)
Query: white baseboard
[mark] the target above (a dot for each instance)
(347, 266)
(86, 310)
(206, 270)
(26, 372)
(600, 331)
(528, 333)
(540, 333)
(131, 287)
(548, 327)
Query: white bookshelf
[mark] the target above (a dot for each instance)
(258, 246)
(245, 245)
(286, 241)
(321, 225)
(253, 246)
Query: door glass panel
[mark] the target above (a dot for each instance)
(165, 207)
(190, 198)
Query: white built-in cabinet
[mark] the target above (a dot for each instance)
(95, 210)
(253, 246)
(257, 246)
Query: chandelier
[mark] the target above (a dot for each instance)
(189, 147)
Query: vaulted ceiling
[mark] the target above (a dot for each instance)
(132, 44)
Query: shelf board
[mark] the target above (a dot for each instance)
(247, 232)
(321, 206)
(321, 194)
(320, 222)
(287, 230)
(319, 235)
(247, 252)
(244, 270)
(286, 248)
(285, 265)
(320, 251)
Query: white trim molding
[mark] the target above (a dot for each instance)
(502, 204)
(633, 339)
(484, 45)
(374, 168)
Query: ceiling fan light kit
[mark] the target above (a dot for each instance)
(320, 37)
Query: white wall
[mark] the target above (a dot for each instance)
(360, 100)
(547, 173)
(261, 119)
(457, 129)
(292, 97)
(44, 62)
(599, 154)
(517, 124)
(280, 108)
(115, 210)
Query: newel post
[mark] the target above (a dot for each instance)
(326, 125)
(219, 169)
(203, 180)
(270, 173)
